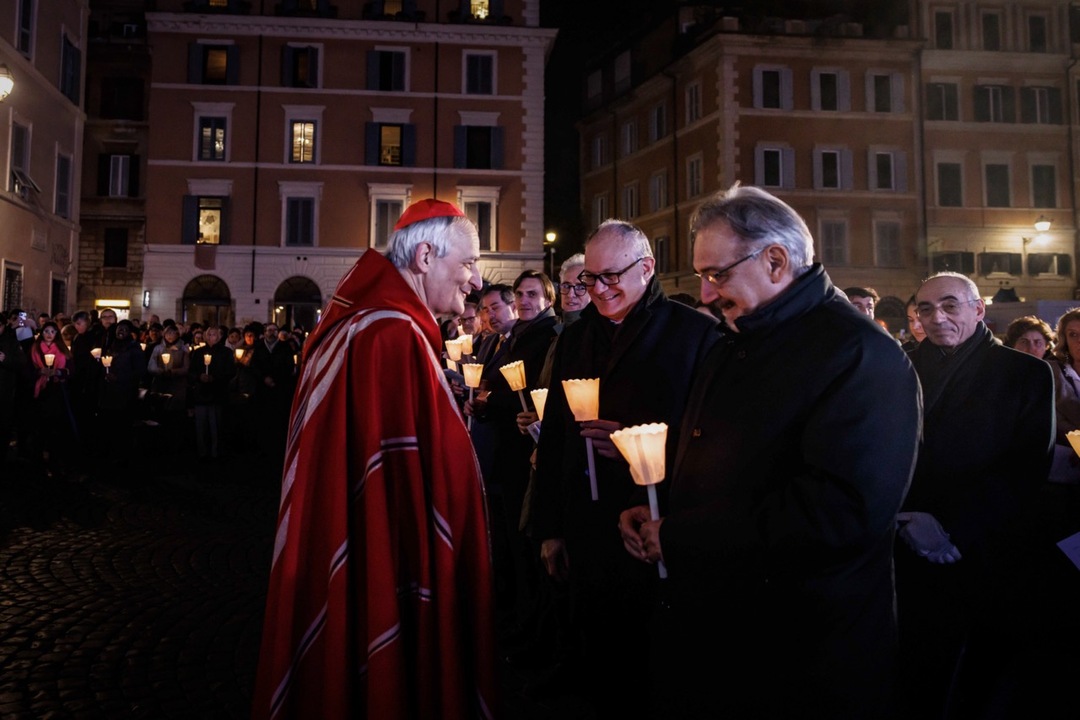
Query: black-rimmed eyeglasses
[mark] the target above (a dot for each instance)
(589, 279)
(718, 277)
(567, 288)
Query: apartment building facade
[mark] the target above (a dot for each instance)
(42, 46)
(285, 139)
(999, 125)
(908, 149)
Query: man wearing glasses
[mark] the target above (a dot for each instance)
(986, 450)
(796, 448)
(643, 347)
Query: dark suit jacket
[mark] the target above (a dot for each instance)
(796, 451)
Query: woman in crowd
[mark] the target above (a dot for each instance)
(168, 368)
(1030, 335)
(53, 424)
(1066, 366)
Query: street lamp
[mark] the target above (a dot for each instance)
(549, 243)
(7, 82)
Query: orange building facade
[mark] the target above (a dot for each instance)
(285, 143)
(43, 48)
(908, 149)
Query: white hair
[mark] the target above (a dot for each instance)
(436, 232)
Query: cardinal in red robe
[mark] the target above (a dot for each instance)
(380, 602)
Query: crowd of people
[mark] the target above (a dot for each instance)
(73, 387)
(849, 525)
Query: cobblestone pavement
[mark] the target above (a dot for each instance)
(140, 595)
(136, 596)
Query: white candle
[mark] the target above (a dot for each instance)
(50, 358)
(206, 360)
(165, 358)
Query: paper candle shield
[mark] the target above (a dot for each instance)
(106, 360)
(539, 397)
(643, 448)
(515, 374)
(583, 397)
(50, 358)
(453, 350)
(96, 353)
(1074, 440)
(466, 344)
(472, 371)
(239, 353)
(165, 358)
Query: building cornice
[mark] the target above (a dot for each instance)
(364, 30)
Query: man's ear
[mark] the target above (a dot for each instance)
(422, 257)
(779, 262)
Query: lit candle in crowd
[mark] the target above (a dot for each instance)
(95, 353)
(206, 360)
(49, 359)
(239, 353)
(165, 358)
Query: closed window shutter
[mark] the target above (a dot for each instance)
(104, 167)
(195, 63)
(232, 71)
(789, 167)
(408, 145)
(982, 104)
(1008, 104)
(843, 91)
(900, 170)
(371, 143)
(373, 58)
(133, 176)
(226, 220)
(1027, 105)
(287, 66)
(897, 87)
(497, 138)
(460, 145)
(189, 220)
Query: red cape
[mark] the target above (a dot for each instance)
(380, 602)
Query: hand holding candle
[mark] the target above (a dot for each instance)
(515, 377)
(643, 446)
(583, 397)
(472, 371)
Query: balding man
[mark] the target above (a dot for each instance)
(380, 600)
(643, 348)
(986, 449)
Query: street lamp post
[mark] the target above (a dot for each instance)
(549, 242)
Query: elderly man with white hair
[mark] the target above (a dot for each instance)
(380, 600)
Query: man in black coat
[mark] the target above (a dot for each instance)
(643, 348)
(986, 450)
(795, 452)
(530, 336)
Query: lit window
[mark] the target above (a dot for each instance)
(480, 9)
(212, 138)
(210, 217)
(303, 142)
(390, 145)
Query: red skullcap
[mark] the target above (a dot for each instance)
(425, 210)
